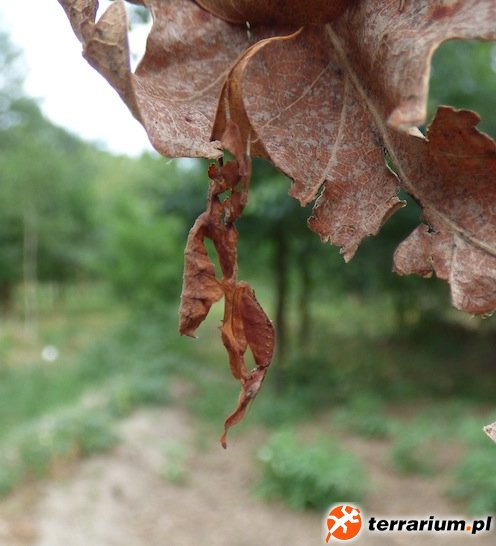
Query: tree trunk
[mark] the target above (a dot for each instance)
(7, 296)
(30, 272)
(281, 264)
(304, 305)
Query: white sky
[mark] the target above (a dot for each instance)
(70, 92)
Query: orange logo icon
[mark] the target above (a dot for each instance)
(343, 522)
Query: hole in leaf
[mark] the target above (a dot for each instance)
(212, 254)
(464, 76)
(140, 23)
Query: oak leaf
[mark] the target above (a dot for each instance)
(324, 90)
(175, 88)
(453, 174)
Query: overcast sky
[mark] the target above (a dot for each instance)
(70, 92)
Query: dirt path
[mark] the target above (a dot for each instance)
(122, 499)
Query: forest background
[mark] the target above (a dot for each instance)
(91, 256)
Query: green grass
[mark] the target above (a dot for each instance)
(308, 474)
(365, 415)
(30, 449)
(136, 357)
(474, 479)
(33, 448)
(414, 451)
(357, 375)
(44, 415)
(175, 468)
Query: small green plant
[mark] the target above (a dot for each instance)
(94, 432)
(135, 390)
(35, 453)
(413, 452)
(174, 470)
(308, 475)
(32, 449)
(475, 479)
(8, 474)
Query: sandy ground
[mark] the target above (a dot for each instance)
(122, 499)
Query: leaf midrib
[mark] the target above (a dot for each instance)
(405, 181)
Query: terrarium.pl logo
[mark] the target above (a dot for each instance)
(343, 522)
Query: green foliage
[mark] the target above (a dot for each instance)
(144, 253)
(463, 75)
(34, 390)
(8, 476)
(45, 420)
(91, 430)
(475, 479)
(214, 399)
(48, 198)
(365, 415)
(31, 450)
(295, 405)
(137, 389)
(412, 451)
(12, 72)
(145, 212)
(358, 349)
(308, 475)
(175, 469)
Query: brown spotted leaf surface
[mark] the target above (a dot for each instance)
(452, 173)
(276, 12)
(324, 89)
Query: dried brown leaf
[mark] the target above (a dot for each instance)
(322, 103)
(324, 90)
(177, 84)
(244, 323)
(250, 389)
(233, 332)
(318, 102)
(105, 44)
(313, 139)
(390, 49)
(200, 287)
(452, 174)
(259, 331)
(175, 89)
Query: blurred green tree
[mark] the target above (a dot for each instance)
(274, 229)
(464, 76)
(142, 242)
(46, 195)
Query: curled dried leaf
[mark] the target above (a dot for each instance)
(200, 287)
(251, 386)
(244, 324)
(175, 89)
(259, 331)
(322, 89)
